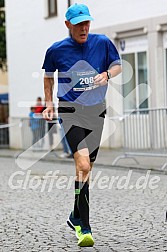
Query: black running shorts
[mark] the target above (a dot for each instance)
(83, 126)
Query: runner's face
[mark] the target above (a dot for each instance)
(79, 32)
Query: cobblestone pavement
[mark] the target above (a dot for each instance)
(32, 218)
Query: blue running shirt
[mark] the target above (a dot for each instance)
(77, 65)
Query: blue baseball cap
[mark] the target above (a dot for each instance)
(78, 13)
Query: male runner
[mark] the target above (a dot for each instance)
(85, 62)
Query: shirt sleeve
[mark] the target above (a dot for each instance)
(49, 62)
(113, 57)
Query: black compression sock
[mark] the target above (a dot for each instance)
(84, 204)
(76, 203)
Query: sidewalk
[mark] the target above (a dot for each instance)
(105, 159)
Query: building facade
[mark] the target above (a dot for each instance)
(139, 30)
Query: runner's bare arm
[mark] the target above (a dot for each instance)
(48, 90)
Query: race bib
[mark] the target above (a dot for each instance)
(84, 81)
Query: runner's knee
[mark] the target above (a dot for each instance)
(83, 165)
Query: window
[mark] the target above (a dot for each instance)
(136, 99)
(52, 8)
(142, 78)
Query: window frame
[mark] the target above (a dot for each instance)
(50, 13)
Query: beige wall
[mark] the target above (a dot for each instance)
(3, 82)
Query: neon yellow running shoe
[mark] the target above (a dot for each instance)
(86, 239)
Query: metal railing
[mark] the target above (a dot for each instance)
(146, 129)
(145, 134)
(32, 135)
(39, 135)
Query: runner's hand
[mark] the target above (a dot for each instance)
(48, 113)
(101, 79)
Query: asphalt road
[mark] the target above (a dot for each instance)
(127, 209)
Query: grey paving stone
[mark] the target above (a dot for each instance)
(122, 220)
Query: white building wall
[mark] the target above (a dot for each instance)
(110, 12)
(28, 36)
